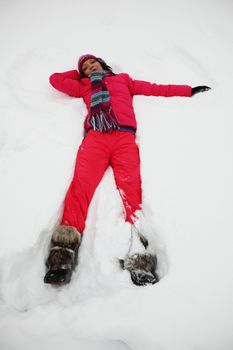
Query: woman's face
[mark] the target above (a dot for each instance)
(90, 66)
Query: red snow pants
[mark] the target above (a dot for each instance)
(117, 149)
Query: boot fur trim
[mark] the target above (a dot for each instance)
(61, 258)
(146, 262)
(66, 235)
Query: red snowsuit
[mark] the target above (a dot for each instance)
(117, 149)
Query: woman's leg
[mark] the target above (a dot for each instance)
(91, 163)
(125, 162)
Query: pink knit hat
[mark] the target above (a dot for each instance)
(83, 59)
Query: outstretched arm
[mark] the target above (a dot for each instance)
(66, 82)
(139, 87)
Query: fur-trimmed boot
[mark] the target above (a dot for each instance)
(142, 268)
(139, 261)
(63, 255)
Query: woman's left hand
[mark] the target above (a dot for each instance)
(197, 89)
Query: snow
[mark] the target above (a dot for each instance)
(187, 170)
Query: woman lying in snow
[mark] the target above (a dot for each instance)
(110, 129)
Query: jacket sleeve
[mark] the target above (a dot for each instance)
(67, 83)
(139, 87)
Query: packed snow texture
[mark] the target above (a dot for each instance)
(187, 170)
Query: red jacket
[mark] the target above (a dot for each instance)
(121, 89)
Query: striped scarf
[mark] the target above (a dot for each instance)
(101, 116)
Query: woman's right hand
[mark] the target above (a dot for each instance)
(197, 89)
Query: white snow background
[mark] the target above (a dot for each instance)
(187, 171)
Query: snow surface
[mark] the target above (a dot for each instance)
(187, 169)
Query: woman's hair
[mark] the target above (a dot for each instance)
(103, 64)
